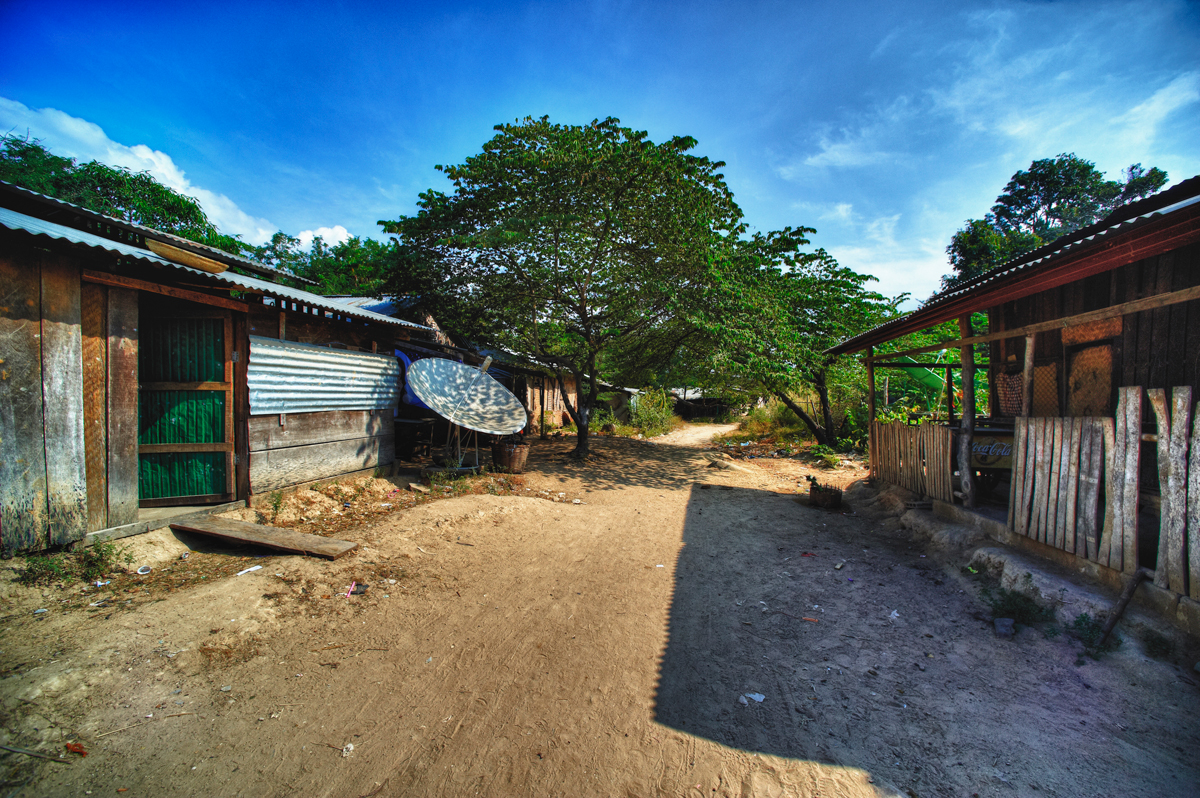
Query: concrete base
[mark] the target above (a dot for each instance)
(1162, 603)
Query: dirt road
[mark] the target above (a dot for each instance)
(636, 626)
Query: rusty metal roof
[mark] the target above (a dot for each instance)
(40, 206)
(14, 220)
(979, 292)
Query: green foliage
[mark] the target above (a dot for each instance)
(1014, 604)
(579, 246)
(653, 412)
(85, 564)
(276, 504)
(1089, 629)
(1053, 198)
(134, 197)
(356, 267)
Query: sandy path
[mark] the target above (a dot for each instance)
(600, 648)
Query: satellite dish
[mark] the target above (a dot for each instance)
(466, 396)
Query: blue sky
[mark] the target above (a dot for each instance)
(884, 125)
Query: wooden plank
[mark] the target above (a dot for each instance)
(62, 399)
(1132, 477)
(1014, 475)
(1041, 485)
(287, 540)
(1193, 509)
(967, 427)
(1173, 516)
(23, 507)
(1027, 375)
(1124, 309)
(1068, 484)
(161, 448)
(241, 406)
(94, 308)
(1053, 531)
(279, 468)
(185, 386)
(1112, 494)
(122, 406)
(228, 377)
(321, 427)
(103, 278)
(1027, 502)
(1086, 544)
(1162, 415)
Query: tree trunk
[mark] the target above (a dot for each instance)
(826, 411)
(820, 434)
(581, 413)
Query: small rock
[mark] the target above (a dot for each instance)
(417, 487)
(1005, 628)
(1196, 668)
(227, 688)
(839, 566)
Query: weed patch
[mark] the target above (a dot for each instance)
(84, 564)
(1088, 630)
(1013, 604)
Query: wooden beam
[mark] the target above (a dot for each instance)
(966, 430)
(1027, 376)
(1149, 239)
(870, 389)
(184, 386)
(900, 364)
(122, 407)
(103, 278)
(1124, 309)
(185, 257)
(164, 448)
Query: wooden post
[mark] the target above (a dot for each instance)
(872, 444)
(870, 388)
(949, 397)
(966, 430)
(1027, 377)
(542, 406)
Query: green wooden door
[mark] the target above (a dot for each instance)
(185, 407)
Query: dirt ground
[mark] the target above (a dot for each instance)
(640, 625)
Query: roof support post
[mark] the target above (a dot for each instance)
(1027, 376)
(870, 388)
(966, 430)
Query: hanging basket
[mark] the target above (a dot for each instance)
(510, 457)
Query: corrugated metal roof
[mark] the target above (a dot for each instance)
(1123, 220)
(19, 221)
(289, 377)
(132, 230)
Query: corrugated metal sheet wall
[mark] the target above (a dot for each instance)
(289, 377)
(182, 350)
(181, 474)
(181, 417)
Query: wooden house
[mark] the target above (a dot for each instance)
(142, 373)
(1091, 442)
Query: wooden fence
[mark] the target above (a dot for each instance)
(915, 458)
(1060, 464)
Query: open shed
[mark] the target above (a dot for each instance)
(1091, 440)
(143, 373)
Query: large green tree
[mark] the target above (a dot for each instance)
(114, 191)
(1052, 198)
(775, 308)
(581, 247)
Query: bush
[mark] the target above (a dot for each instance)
(85, 564)
(652, 412)
(1021, 608)
(1089, 629)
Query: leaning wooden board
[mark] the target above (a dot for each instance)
(270, 537)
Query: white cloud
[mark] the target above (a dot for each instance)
(841, 212)
(77, 138)
(1144, 119)
(330, 235)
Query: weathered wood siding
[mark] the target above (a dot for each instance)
(23, 507)
(312, 446)
(1154, 349)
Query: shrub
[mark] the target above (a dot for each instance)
(652, 412)
(1020, 607)
(85, 564)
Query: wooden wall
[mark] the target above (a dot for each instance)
(1153, 349)
(312, 446)
(68, 373)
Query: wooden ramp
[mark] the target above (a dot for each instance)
(268, 536)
